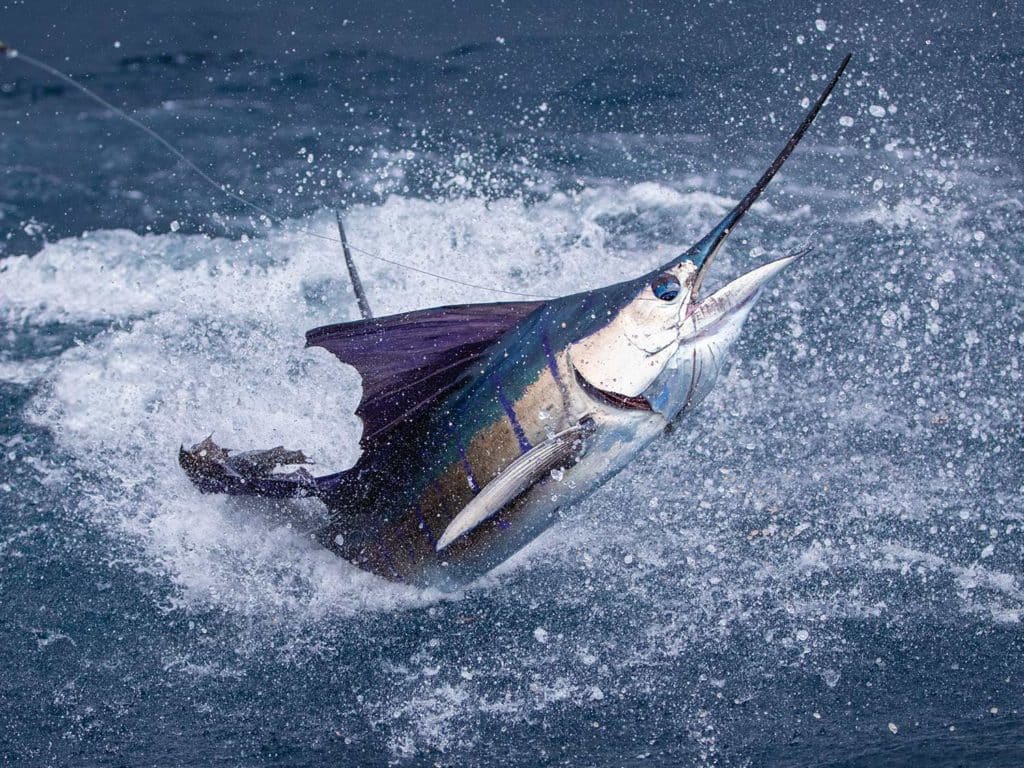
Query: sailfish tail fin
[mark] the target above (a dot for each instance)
(251, 473)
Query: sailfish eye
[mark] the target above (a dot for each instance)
(665, 286)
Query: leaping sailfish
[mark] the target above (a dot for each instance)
(481, 422)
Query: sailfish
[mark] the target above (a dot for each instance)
(482, 423)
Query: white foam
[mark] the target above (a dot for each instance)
(206, 335)
(24, 372)
(211, 341)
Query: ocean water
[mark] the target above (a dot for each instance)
(823, 566)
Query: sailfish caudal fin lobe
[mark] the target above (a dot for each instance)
(215, 470)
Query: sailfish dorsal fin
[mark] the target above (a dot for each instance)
(409, 360)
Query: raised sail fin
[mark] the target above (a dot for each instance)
(407, 361)
(516, 478)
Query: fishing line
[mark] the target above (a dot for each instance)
(11, 53)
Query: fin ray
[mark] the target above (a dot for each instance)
(516, 479)
(409, 360)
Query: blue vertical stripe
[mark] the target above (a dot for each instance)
(470, 477)
(466, 466)
(550, 356)
(524, 444)
(424, 527)
(563, 390)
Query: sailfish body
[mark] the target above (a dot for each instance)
(482, 422)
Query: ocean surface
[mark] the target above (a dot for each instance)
(823, 566)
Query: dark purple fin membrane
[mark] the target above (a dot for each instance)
(407, 361)
(214, 470)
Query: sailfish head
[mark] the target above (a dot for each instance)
(663, 345)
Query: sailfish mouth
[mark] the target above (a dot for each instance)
(614, 399)
(735, 298)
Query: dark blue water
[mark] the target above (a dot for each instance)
(825, 566)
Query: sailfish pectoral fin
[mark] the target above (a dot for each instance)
(517, 478)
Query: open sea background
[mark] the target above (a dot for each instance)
(823, 567)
